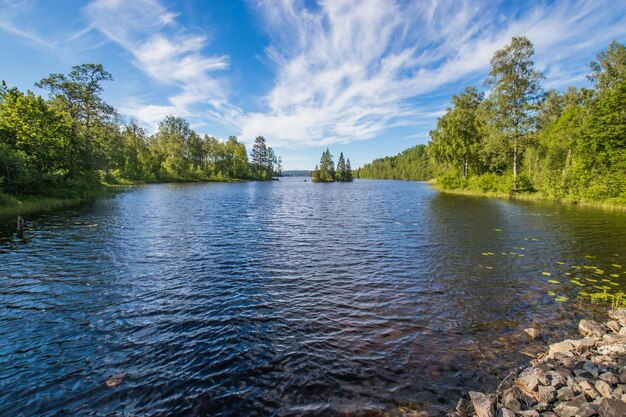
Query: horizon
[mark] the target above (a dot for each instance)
(237, 67)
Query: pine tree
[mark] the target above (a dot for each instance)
(348, 176)
(341, 168)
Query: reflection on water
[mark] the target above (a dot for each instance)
(286, 298)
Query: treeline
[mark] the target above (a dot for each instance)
(72, 141)
(326, 172)
(518, 137)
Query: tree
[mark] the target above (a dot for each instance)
(348, 173)
(326, 171)
(515, 93)
(262, 158)
(456, 140)
(341, 168)
(610, 69)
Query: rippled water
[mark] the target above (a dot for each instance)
(285, 298)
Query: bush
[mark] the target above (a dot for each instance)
(451, 181)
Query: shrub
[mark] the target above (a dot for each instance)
(451, 181)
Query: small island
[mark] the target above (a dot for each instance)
(326, 171)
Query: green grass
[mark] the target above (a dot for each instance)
(610, 204)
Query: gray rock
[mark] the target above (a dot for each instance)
(592, 369)
(529, 380)
(589, 389)
(587, 410)
(528, 413)
(570, 408)
(619, 315)
(565, 394)
(548, 414)
(612, 408)
(483, 404)
(613, 325)
(574, 385)
(505, 412)
(604, 389)
(463, 407)
(622, 377)
(532, 333)
(546, 393)
(609, 378)
(556, 379)
(510, 401)
(590, 328)
(585, 344)
(564, 347)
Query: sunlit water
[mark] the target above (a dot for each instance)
(287, 298)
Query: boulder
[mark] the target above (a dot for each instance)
(604, 389)
(565, 394)
(613, 325)
(510, 401)
(570, 408)
(564, 347)
(483, 404)
(532, 333)
(619, 315)
(588, 388)
(609, 378)
(585, 344)
(546, 394)
(591, 328)
(612, 408)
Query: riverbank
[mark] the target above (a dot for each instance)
(534, 196)
(575, 377)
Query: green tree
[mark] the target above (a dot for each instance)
(609, 71)
(341, 168)
(515, 94)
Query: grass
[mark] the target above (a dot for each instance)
(537, 196)
(12, 207)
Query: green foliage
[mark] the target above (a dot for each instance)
(569, 145)
(325, 171)
(451, 181)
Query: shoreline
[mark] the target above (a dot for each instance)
(574, 377)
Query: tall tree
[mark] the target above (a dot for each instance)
(341, 168)
(515, 94)
(610, 69)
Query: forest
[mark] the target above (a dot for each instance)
(326, 172)
(515, 137)
(71, 142)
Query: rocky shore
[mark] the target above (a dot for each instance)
(576, 377)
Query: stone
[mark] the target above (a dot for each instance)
(463, 407)
(613, 325)
(592, 369)
(610, 378)
(483, 404)
(548, 414)
(574, 385)
(612, 408)
(585, 344)
(114, 380)
(589, 389)
(586, 410)
(528, 413)
(564, 347)
(529, 380)
(555, 379)
(619, 315)
(510, 401)
(505, 412)
(570, 408)
(546, 393)
(532, 333)
(565, 394)
(590, 328)
(604, 389)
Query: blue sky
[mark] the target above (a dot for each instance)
(367, 78)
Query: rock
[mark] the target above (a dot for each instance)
(588, 389)
(570, 408)
(565, 394)
(612, 408)
(546, 393)
(610, 378)
(555, 379)
(585, 344)
(574, 385)
(548, 414)
(604, 389)
(532, 333)
(528, 381)
(114, 380)
(483, 404)
(586, 410)
(528, 413)
(592, 369)
(613, 325)
(564, 347)
(590, 328)
(619, 315)
(505, 412)
(463, 407)
(510, 401)
(542, 407)
(622, 377)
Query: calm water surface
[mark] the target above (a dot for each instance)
(287, 298)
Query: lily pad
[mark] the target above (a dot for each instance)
(553, 281)
(546, 274)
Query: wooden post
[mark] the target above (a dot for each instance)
(20, 227)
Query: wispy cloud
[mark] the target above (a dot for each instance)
(167, 52)
(348, 70)
(10, 12)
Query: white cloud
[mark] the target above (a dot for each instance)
(168, 53)
(348, 70)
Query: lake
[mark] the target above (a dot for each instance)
(289, 298)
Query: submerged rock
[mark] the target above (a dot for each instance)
(532, 333)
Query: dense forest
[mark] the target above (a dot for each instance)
(516, 137)
(73, 141)
(326, 172)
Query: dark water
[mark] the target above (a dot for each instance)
(286, 298)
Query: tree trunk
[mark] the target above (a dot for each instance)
(515, 164)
